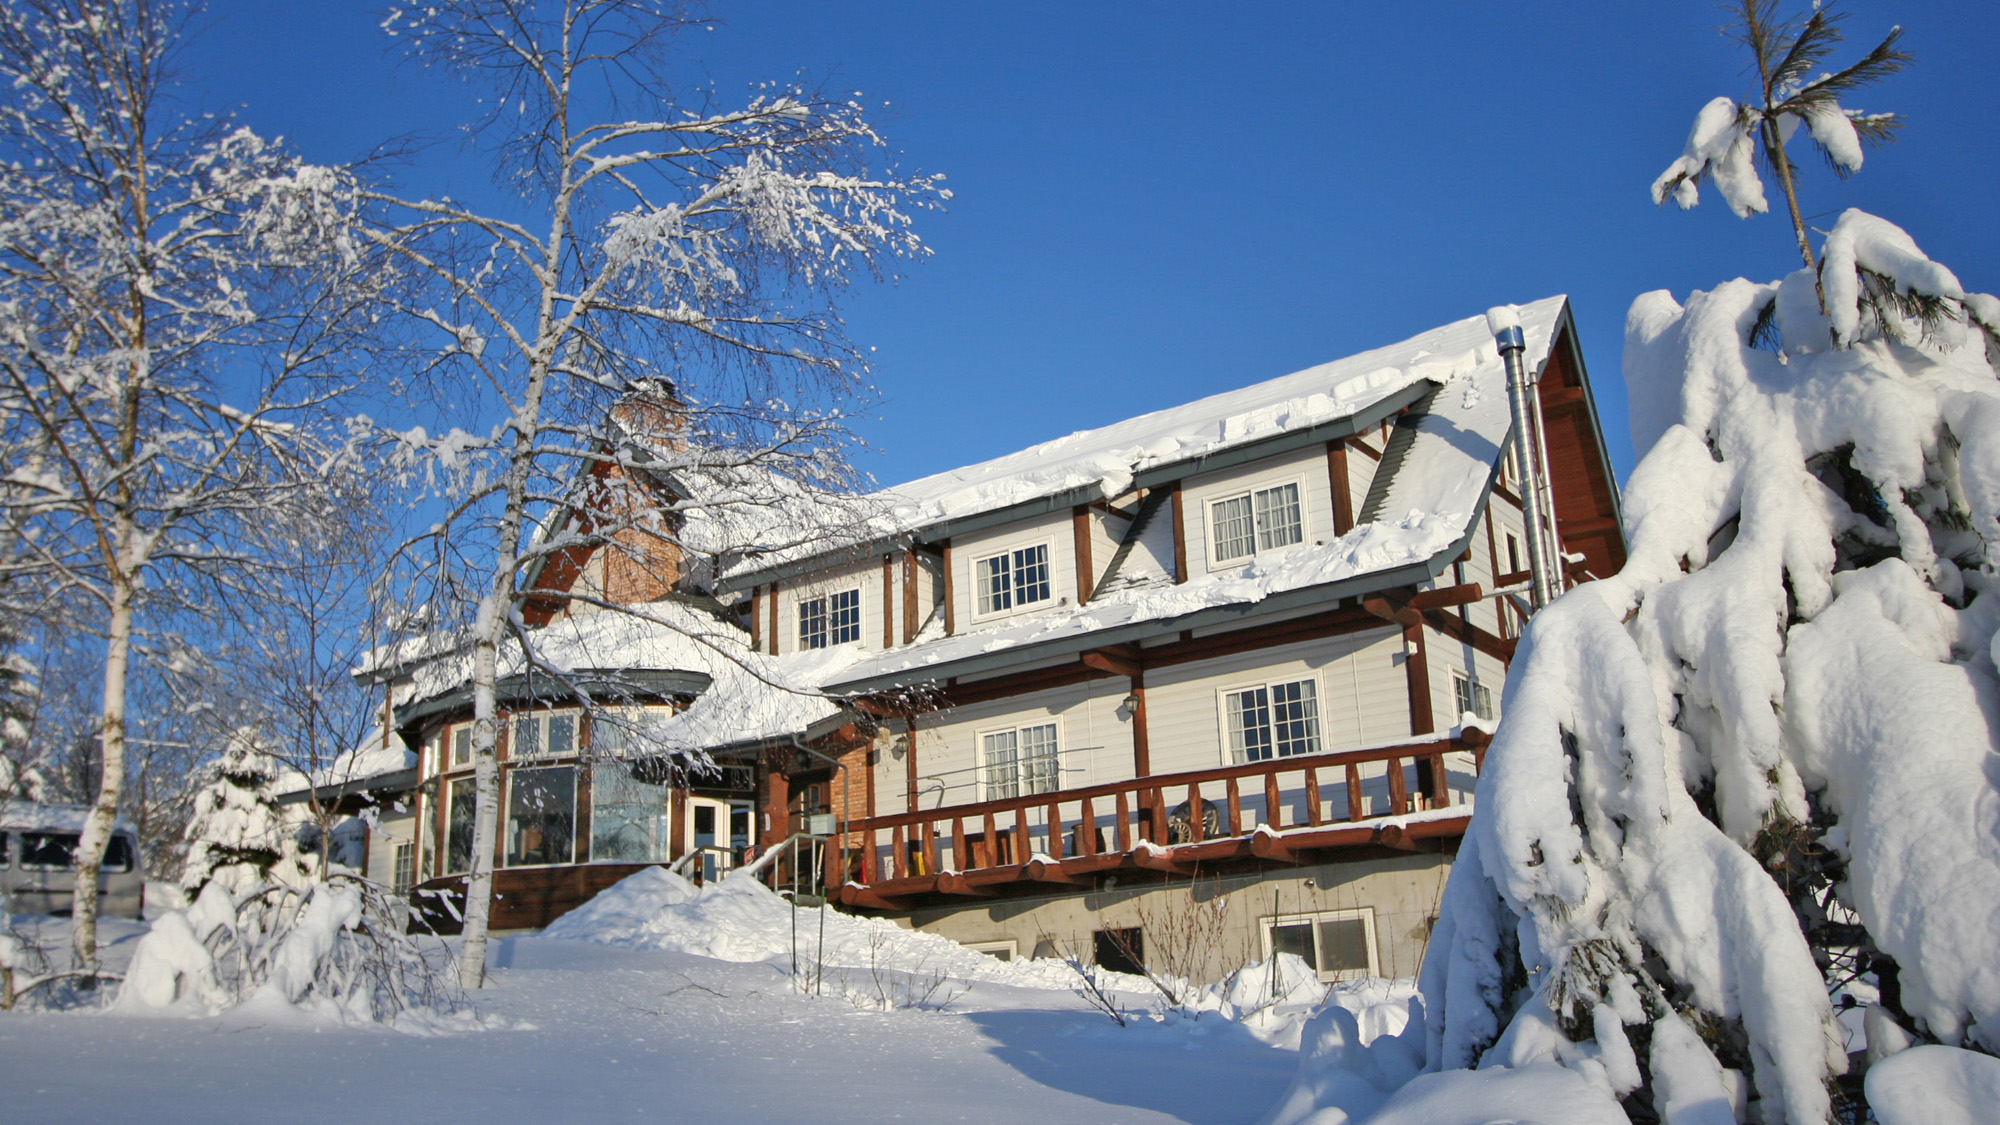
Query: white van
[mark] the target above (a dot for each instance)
(38, 861)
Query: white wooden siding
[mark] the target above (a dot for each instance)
(1307, 467)
(1363, 696)
(1053, 529)
(865, 576)
(1095, 741)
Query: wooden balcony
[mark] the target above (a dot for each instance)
(1282, 811)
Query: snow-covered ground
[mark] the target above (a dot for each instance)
(622, 1021)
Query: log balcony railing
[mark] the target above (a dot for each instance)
(1268, 810)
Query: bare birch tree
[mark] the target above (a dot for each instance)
(174, 292)
(657, 243)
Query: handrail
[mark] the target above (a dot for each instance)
(750, 870)
(1324, 760)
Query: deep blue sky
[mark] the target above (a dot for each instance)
(1158, 201)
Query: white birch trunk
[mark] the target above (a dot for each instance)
(110, 789)
(486, 790)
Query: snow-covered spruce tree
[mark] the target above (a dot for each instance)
(654, 243)
(174, 291)
(235, 835)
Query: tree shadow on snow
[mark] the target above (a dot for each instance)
(1206, 1072)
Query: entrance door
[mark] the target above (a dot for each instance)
(708, 832)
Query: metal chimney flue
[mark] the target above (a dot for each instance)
(1530, 460)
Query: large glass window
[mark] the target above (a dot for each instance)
(628, 818)
(1338, 944)
(1264, 520)
(541, 816)
(56, 851)
(1023, 761)
(1280, 719)
(459, 813)
(1013, 579)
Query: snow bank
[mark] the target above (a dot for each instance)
(1781, 713)
(1935, 1086)
(1531, 1095)
(740, 919)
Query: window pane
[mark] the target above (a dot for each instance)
(458, 845)
(608, 734)
(1250, 725)
(562, 734)
(628, 818)
(1278, 523)
(846, 616)
(527, 736)
(1002, 779)
(406, 868)
(995, 582)
(1041, 770)
(541, 816)
(1295, 717)
(461, 746)
(1295, 938)
(117, 854)
(1031, 575)
(1343, 946)
(4, 861)
(49, 851)
(812, 623)
(1234, 531)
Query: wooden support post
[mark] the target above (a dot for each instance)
(888, 602)
(1180, 535)
(992, 843)
(950, 608)
(1195, 818)
(910, 762)
(900, 862)
(1124, 822)
(1021, 852)
(1235, 809)
(1079, 523)
(1418, 668)
(1313, 816)
(930, 847)
(1399, 790)
(911, 616)
(1158, 815)
(958, 854)
(1355, 807)
(1086, 843)
(1274, 808)
(1343, 489)
(1440, 784)
(773, 596)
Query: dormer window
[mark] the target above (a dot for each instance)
(1263, 520)
(830, 619)
(1012, 579)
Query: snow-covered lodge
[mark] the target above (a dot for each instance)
(1245, 648)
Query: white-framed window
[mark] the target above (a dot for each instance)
(830, 619)
(1012, 579)
(1339, 944)
(460, 810)
(1471, 695)
(1262, 721)
(1253, 522)
(404, 875)
(543, 734)
(1020, 761)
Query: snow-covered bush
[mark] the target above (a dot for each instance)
(337, 947)
(1755, 764)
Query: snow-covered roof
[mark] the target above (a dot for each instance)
(32, 816)
(749, 697)
(1426, 509)
(372, 759)
(1107, 460)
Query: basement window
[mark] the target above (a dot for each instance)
(1122, 950)
(1338, 944)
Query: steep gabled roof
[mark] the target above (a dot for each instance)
(1321, 403)
(1425, 505)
